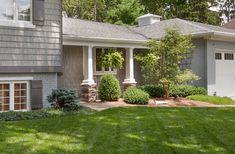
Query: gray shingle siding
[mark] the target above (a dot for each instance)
(39, 46)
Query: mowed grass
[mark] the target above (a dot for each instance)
(212, 99)
(125, 130)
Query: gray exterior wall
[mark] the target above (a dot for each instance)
(211, 64)
(198, 62)
(72, 72)
(33, 49)
(49, 81)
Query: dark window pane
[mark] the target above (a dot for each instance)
(17, 86)
(218, 56)
(6, 107)
(17, 107)
(228, 56)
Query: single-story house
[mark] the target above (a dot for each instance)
(41, 51)
(212, 59)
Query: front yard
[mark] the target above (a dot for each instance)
(125, 130)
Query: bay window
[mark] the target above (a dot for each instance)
(16, 11)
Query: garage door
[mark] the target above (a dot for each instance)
(225, 73)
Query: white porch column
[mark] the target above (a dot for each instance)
(88, 66)
(129, 67)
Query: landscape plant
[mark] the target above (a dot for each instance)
(160, 65)
(111, 59)
(61, 98)
(109, 88)
(134, 95)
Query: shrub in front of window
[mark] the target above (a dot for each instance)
(63, 99)
(134, 95)
(153, 90)
(187, 90)
(109, 88)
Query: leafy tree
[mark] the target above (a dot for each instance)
(194, 10)
(125, 13)
(227, 8)
(85, 9)
(161, 64)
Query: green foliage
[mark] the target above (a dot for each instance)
(194, 10)
(161, 64)
(153, 90)
(187, 90)
(111, 59)
(63, 99)
(134, 95)
(227, 8)
(186, 76)
(109, 88)
(212, 99)
(40, 114)
(85, 9)
(125, 13)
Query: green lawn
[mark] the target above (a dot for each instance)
(212, 99)
(125, 130)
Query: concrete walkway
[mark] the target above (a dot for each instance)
(99, 106)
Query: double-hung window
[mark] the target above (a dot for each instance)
(14, 12)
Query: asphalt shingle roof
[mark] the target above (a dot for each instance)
(91, 29)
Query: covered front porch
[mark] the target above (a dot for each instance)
(81, 72)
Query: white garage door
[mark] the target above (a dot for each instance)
(225, 73)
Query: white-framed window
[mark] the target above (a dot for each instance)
(14, 96)
(228, 56)
(218, 56)
(16, 13)
(101, 70)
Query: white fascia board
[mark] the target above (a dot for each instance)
(103, 42)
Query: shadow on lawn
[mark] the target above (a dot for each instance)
(127, 130)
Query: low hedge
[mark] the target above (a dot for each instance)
(175, 91)
(153, 90)
(187, 90)
(40, 114)
(136, 96)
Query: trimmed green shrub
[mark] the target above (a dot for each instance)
(134, 95)
(187, 90)
(63, 99)
(109, 88)
(153, 90)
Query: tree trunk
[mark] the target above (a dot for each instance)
(166, 90)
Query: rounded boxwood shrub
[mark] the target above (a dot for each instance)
(187, 90)
(153, 90)
(109, 88)
(134, 95)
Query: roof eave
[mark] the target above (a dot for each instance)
(100, 39)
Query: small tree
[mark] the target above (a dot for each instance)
(161, 64)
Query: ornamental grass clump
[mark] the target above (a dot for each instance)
(109, 88)
(134, 95)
